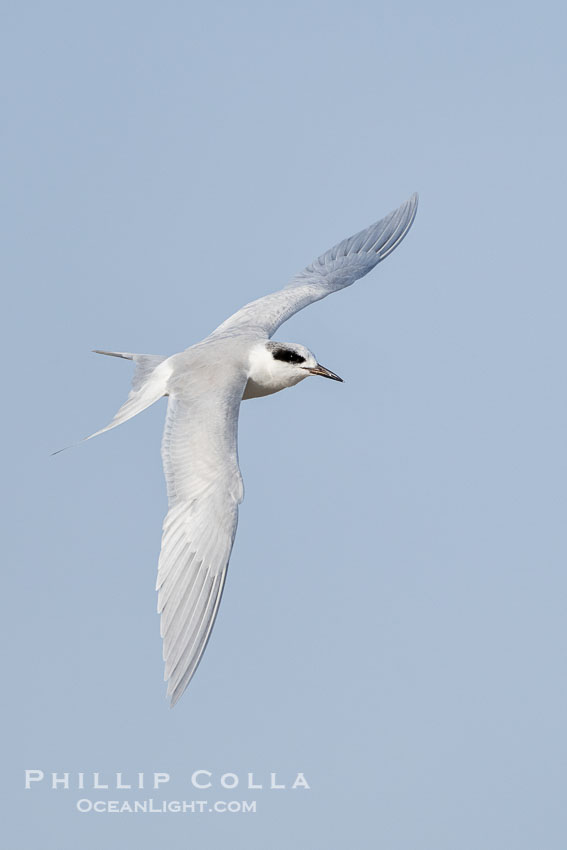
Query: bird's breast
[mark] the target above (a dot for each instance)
(253, 389)
(258, 386)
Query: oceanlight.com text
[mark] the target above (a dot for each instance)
(151, 806)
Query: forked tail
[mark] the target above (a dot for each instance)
(149, 384)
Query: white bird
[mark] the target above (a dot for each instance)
(205, 385)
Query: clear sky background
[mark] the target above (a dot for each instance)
(393, 623)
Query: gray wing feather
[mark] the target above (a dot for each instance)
(204, 487)
(336, 269)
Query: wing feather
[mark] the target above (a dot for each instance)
(204, 486)
(336, 269)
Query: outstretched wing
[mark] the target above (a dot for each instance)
(337, 268)
(204, 487)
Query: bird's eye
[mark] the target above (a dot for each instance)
(287, 355)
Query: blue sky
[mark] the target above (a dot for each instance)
(393, 620)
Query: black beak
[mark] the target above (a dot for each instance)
(325, 373)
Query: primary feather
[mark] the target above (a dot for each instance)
(336, 269)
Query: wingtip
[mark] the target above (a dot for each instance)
(174, 694)
(173, 699)
(410, 207)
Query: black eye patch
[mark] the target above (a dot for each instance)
(287, 355)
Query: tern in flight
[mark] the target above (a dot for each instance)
(205, 385)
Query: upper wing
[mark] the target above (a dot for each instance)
(204, 486)
(339, 267)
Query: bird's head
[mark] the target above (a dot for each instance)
(294, 360)
(277, 365)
